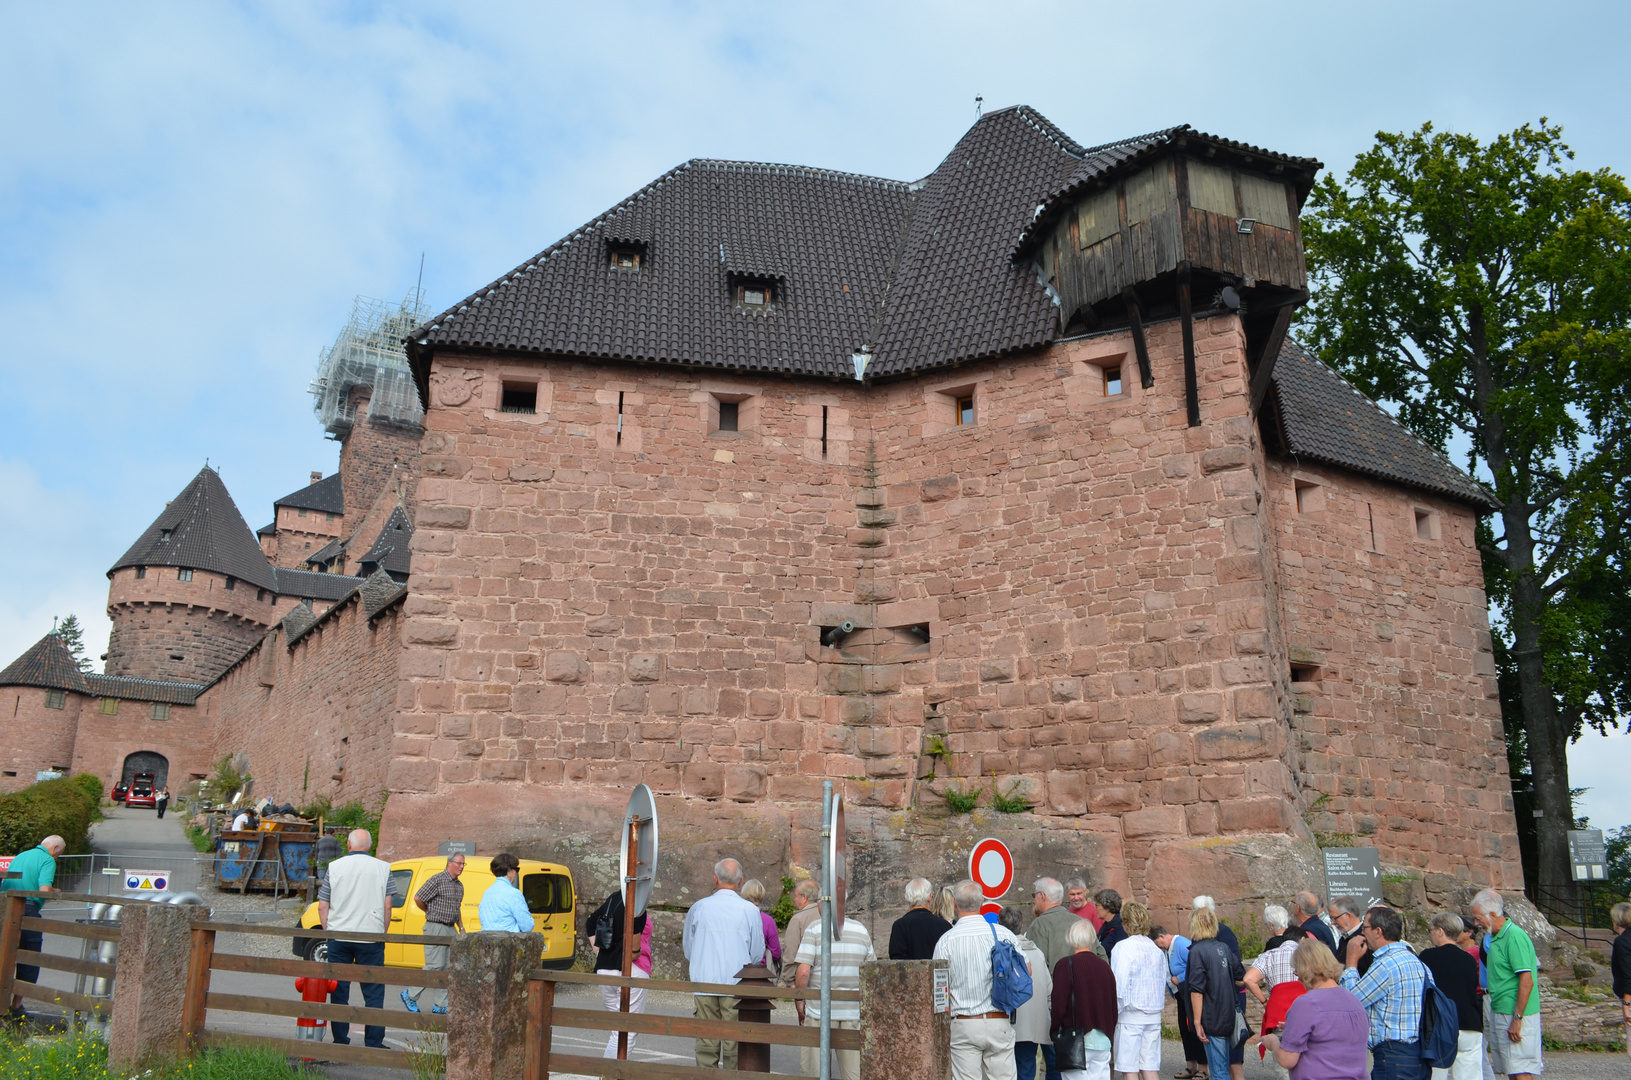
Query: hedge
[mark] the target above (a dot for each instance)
(65, 807)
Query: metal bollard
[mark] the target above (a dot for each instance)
(753, 1057)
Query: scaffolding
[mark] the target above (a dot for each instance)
(368, 353)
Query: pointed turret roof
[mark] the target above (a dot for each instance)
(325, 495)
(390, 551)
(47, 663)
(202, 529)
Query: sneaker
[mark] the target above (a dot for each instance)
(412, 1005)
(439, 1010)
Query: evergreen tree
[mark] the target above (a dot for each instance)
(71, 634)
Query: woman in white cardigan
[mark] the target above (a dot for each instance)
(1032, 1020)
(1140, 968)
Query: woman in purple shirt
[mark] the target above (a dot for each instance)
(1325, 1029)
(753, 891)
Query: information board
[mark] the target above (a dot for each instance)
(1588, 855)
(1355, 872)
(942, 990)
(449, 848)
(147, 880)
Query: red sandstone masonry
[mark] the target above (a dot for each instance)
(159, 617)
(38, 738)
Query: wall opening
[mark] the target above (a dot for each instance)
(519, 398)
(1305, 673)
(824, 425)
(1426, 524)
(147, 761)
(1310, 497)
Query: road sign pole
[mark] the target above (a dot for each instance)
(827, 892)
(631, 843)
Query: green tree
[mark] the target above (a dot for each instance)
(1482, 290)
(71, 634)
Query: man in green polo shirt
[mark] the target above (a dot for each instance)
(1512, 1009)
(35, 870)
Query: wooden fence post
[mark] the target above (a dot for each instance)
(904, 1036)
(194, 1008)
(540, 1021)
(11, 933)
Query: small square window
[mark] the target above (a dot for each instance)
(755, 295)
(1310, 497)
(301, 512)
(328, 516)
(184, 575)
(519, 398)
(232, 583)
(730, 416)
(625, 259)
(1305, 673)
(164, 536)
(109, 707)
(1112, 382)
(161, 710)
(56, 699)
(141, 572)
(1426, 524)
(965, 411)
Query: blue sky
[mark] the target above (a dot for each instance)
(192, 195)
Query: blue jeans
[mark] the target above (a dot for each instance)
(1025, 1061)
(1217, 1057)
(369, 954)
(1395, 1060)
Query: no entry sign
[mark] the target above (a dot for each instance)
(991, 867)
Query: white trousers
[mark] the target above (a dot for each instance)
(983, 1049)
(612, 996)
(1469, 1059)
(1098, 1067)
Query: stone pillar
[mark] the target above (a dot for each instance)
(902, 1036)
(150, 984)
(487, 1005)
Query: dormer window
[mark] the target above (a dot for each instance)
(625, 258)
(164, 536)
(755, 295)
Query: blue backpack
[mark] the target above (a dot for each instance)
(1010, 977)
(1440, 1034)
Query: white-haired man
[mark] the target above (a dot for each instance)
(723, 934)
(1512, 1009)
(1053, 920)
(357, 896)
(34, 870)
(982, 1039)
(914, 935)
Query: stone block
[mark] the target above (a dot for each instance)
(1199, 708)
(487, 1004)
(1067, 793)
(1255, 815)
(1225, 457)
(1235, 742)
(703, 780)
(1113, 798)
(644, 667)
(149, 984)
(744, 783)
(1157, 821)
(764, 704)
(425, 632)
(565, 667)
(997, 669)
(903, 1037)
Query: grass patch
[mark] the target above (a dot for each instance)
(1558, 1046)
(200, 838)
(962, 801)
(85, 1057)
(1011, 803)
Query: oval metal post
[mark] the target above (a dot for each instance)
(825, 1072)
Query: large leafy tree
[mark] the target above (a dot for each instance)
(1484, 291)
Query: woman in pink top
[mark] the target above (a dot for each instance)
(753, 891)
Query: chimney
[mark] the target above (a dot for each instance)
(316, 476)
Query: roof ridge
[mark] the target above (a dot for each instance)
(1159, 133)
(814, 170)
(1047, 128)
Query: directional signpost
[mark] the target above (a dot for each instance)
(1355, 872)
(638, 869)
(991, 865)
(1588, 855)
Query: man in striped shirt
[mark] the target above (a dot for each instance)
(982, 1039)
(1391, 992)
(852, 949)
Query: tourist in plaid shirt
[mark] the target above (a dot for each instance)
(1391, 992)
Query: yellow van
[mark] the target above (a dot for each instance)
(547, 888)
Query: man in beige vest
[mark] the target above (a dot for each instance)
(356, 896)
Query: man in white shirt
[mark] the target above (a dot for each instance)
(723, 934)
(356, 896)
(982, 1039)
(852, 949)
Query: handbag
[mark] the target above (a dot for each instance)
(1069, 1041)
(604, 932)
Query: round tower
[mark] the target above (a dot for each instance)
(193, 593)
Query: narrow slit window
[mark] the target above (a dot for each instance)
(729, 416)
(1112, 382)
(1305, 673)
(519, 398)
(965, 411)
(620, 418)
(824, 427)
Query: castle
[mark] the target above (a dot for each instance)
(1006, 482)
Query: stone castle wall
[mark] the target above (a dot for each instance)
(314, 719)
(188, 631)
(1098, 583)
(374, 458)
(36, 738)
(186, 738)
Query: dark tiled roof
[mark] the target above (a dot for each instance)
(299, 619)
(1099, 161)
(312, 585)
(201, 529)
(325, 495)
(331, 550)
(1326, 419)
(378, 592)
(390, 551)
(118, 686)
(267, 530)
(47, 663)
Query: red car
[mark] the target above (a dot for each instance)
(120, 790)
(141, 792)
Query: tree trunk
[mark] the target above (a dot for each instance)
(1543, 728)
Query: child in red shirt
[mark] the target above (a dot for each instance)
(313, 989)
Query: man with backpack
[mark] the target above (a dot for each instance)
(988, 981)
(1391, 992)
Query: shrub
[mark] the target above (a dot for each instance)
(783, 911)
(961, 802)
(65, 807)
(1011, 803)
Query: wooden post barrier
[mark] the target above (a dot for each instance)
(11, 934)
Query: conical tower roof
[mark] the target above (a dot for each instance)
(47, 663)
(202, 529)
